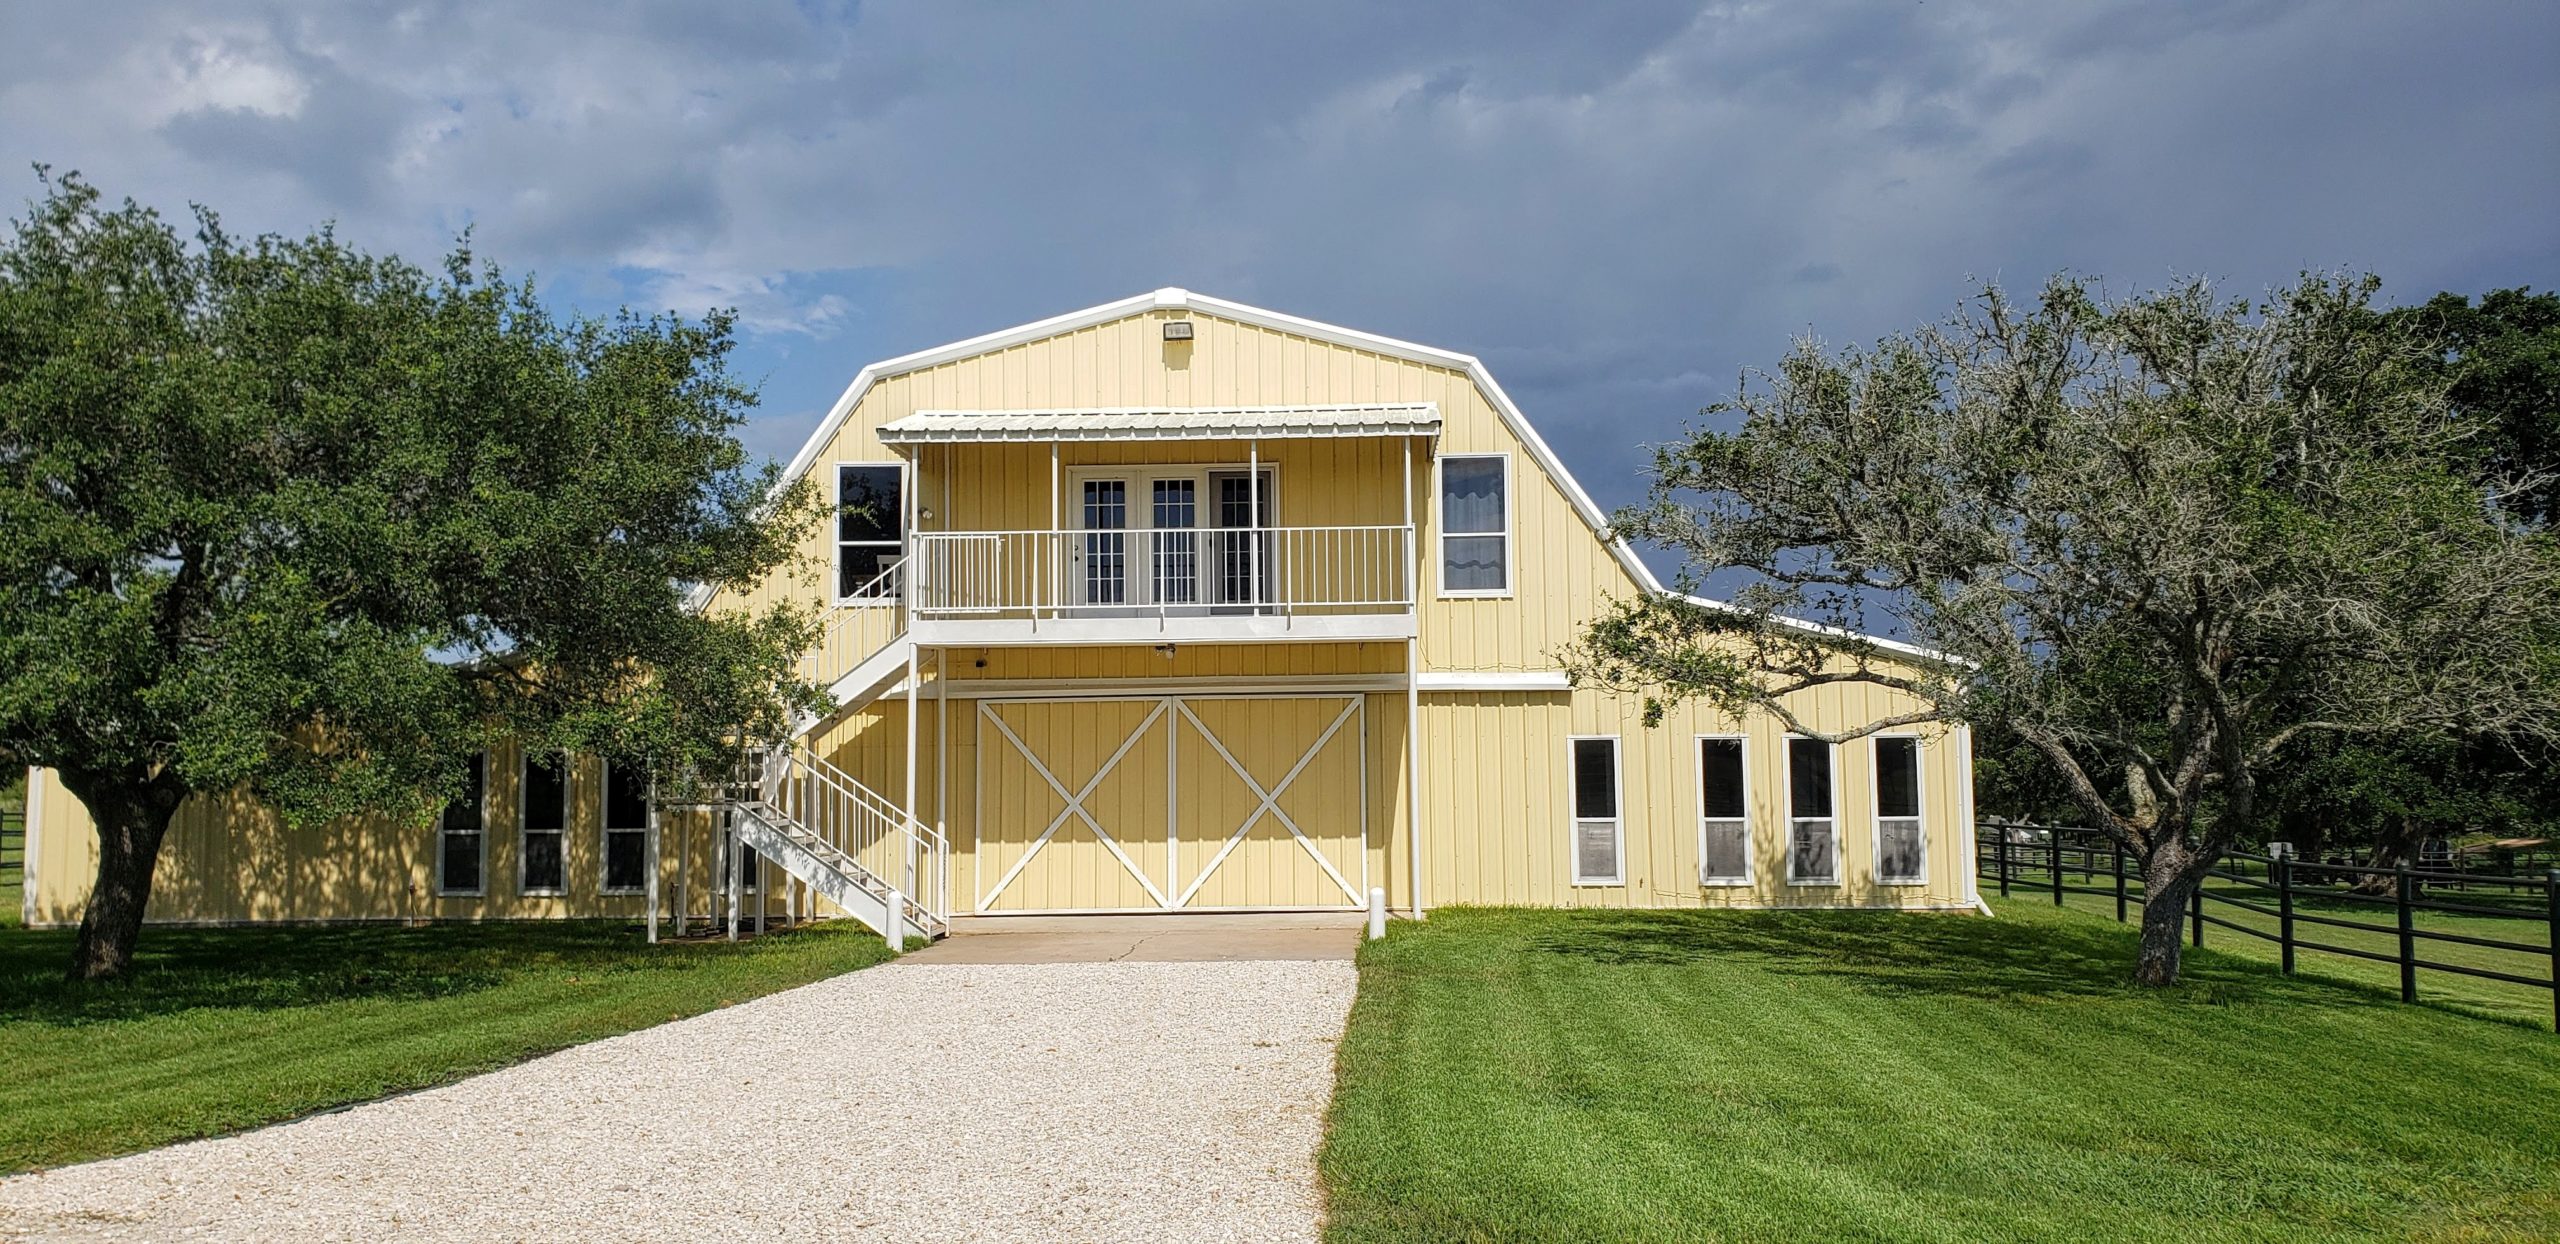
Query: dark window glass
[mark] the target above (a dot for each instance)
(871, 517)
(625, 859)
(1720, 777)
(1897, 777)
(546, 793)
(543, 867)
(1595, 779)
(626, 797)
(461, 861)
(1808, 778)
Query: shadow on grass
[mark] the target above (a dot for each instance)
(274, 968)
(1942, 955)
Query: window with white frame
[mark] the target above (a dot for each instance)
(541, 857)
(1475, 525)
(1902, 853)
(626, 828)
(1813, 838)
(1597, 841)
(871, 528)
(1724, 819)
(462, 834)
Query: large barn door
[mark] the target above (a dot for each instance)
(1175, 802)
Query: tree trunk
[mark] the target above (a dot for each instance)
(132, 817)
(2169, 880)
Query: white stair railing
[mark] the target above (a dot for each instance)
(870, 619)
(908, 858)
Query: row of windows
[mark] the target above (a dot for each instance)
(1724, 816)
(542, 830)
(1475, 526)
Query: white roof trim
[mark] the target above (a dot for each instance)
(1121, 423)
(1889, 645)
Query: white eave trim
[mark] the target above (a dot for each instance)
(1144, 423)
(1492, 680)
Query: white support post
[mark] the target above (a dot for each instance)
(1057, 558)
(1413, 767)
(684, 873)
(737, 868)
(941, 770)
(655, 860)
(1253, 519)
(1413, 688)
(764, 890)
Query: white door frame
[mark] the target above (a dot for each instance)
(1173, 708)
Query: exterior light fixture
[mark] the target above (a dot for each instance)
(1165, 651)
(1177, 330)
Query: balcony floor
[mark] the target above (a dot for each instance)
(1150, 629)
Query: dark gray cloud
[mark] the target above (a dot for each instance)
(1620, 206)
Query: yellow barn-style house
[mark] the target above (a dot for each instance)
(1168, 605)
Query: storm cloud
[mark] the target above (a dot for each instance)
(1620, 207)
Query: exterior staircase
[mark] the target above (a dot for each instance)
(855, 847)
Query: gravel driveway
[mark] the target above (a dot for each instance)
(934, 1100)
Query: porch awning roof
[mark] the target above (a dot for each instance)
(1182, 423)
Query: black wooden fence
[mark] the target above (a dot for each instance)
(2051, 855)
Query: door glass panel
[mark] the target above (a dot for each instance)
(1174, 546)
(1106, 552)
(1241, 558)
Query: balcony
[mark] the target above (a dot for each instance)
(1184, 584)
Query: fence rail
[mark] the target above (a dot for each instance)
(2051, 855)
(1173, 572)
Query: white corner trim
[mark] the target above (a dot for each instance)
(27, 847)
(1493, 680)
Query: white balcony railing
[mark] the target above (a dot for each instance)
(1187, 573)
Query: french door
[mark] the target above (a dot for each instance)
(1178, 539)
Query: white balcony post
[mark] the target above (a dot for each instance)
(655, 860)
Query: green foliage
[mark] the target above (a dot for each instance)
(2501, 362)
(2157, 537)
(294, 518)
(232, 1028)
(1696, 1076)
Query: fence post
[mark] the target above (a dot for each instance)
(2283, 867)
(2551, 934)
(2408, 943)
(2054, 856)
(2004, 861)
(2119, 853)
(2195, 909)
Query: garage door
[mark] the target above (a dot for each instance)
(1164, 802)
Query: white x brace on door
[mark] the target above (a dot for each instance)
(1169, 802)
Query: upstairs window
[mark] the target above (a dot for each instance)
(542, 861)
(626, 828)
(1597, 841)
(1475, 525)
(1813, 839)
(1902, 853)
(1724, 821)
(871, 529)
(461, 834)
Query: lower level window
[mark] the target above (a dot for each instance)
(1902, 856)
(1597, 844)
(542, 845)
(1813, 841)
(1724, 825)
(462, 834)
(626, 828)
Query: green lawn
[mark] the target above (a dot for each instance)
(1595, 1075)
(219, 1030)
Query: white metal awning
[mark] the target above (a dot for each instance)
(1189, 423)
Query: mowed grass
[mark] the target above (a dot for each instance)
(1613, 1075)
(223, 1029)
